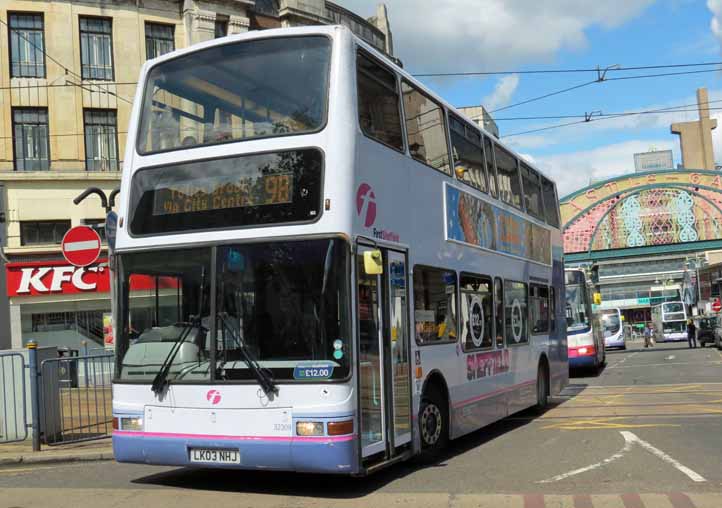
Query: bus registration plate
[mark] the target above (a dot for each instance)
(211, 456)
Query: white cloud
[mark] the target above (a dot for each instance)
(451, 35)
(716, 7)
(503, 92)
(574, 170)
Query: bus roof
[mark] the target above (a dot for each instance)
(332, 31)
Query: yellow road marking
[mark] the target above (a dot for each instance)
(604, 423)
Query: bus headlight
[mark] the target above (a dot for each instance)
(309, 428)
(131, 424)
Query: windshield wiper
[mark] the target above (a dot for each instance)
(161, 379)
(262, 375)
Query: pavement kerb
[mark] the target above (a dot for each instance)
(54, 458)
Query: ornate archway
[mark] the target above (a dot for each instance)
(644, 210)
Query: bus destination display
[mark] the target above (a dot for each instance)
(222, 192)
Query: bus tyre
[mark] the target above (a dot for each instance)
(433, 421)
(542, 389)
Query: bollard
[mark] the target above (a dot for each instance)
(34, 393)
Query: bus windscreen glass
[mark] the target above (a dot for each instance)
(610, 322)
(237, 91)
(577, 317)
(284, 304)
(239, 191)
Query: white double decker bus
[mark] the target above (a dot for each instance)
(322, 266)
(669, 320)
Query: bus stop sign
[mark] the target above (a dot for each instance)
(81, 246)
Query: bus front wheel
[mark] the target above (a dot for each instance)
(433, 421)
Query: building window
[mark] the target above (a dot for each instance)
(43, 232)
(97, 225)
(378, 102)
(435, 305)
(31, 140)
(221, 27)
(96, 48)
(101, 140)
(159, 40)
(27, 43)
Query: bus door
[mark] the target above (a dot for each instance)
(384, 360)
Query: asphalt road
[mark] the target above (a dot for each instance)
(645, 432)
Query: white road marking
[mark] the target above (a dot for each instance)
(695, 477)
(627, 446)
(76, 246)
(670, 357)
(629, 440)
(620, 362)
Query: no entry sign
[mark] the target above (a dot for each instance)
(81, 246)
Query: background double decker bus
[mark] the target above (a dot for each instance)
(347, 271)
(669, 320)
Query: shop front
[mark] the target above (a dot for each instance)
(57, 304)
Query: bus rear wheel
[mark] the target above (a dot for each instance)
(542, 388)
(433, 421)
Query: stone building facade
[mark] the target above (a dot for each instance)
(68, 73)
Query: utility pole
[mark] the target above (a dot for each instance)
(107, 202)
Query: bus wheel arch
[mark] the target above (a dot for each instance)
(434, 413)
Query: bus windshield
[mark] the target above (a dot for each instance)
(577, 317)
(237, 91)
(673, 311)
(610, 322)
(283, 304)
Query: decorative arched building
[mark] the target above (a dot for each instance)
(648, 233)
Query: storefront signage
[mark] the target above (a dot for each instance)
(473, 221)
(45, 278)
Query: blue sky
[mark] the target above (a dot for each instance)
(485, 35)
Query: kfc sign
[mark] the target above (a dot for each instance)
(46, 278)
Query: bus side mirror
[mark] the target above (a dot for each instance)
(373, 262)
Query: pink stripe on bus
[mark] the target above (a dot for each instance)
(334, 439)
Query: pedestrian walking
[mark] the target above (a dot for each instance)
(648, 339)
(691, 333)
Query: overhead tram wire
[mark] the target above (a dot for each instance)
(600, 79)
(65, 68)
(671, 109)
(560, 71)
(592, 117)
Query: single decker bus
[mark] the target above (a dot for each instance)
(612, 328)
(321, 265)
